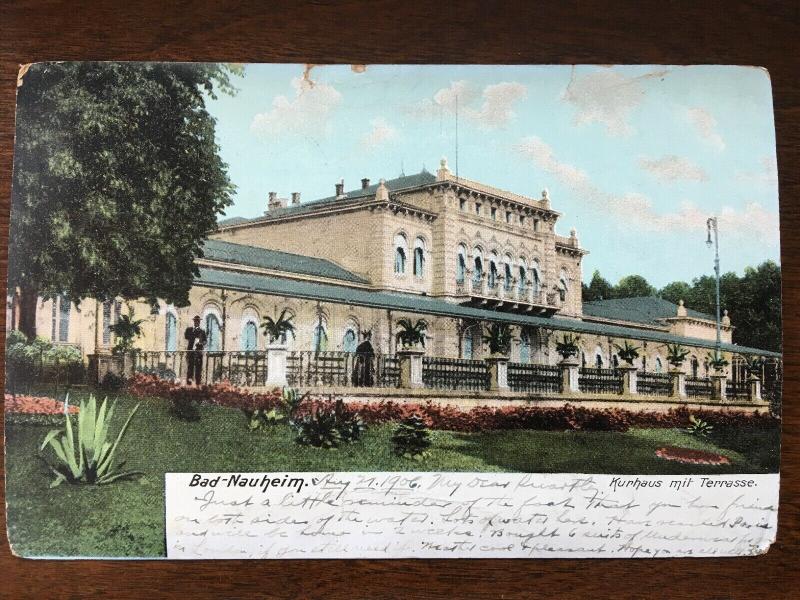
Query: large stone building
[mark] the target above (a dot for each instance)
(454, 252)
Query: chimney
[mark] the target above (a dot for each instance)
(340, 188)
(295, 197)
(365, 183)
(273, 200)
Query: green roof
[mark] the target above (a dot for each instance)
(649, 310)
(399, 183)
(263, 258)
(425, 305)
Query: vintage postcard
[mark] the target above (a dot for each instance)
(383, 311)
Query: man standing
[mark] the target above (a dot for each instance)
(363, 371)
(196, 338)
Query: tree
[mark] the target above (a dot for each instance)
(633, 286)
(598, 288)
(676, 291)
(117, 180)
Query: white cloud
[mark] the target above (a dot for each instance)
(380, 134)
(705, 125)
(766, 175)
(608, 98)
(306, 112)
(673, 168)
(494, 112)
(636, 210)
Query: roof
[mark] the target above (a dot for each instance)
(426, 305)
(399, 183)
(263, 258)
(649, 310)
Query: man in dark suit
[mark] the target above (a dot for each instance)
(196, 339)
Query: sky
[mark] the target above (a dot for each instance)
(636, 158)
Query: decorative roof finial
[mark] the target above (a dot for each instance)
(681, 309)
(382, 193)
(443, 172)
(726, 320)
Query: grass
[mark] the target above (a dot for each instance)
(127, 518)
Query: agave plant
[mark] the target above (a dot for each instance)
(568, 346)
(411, 334)
(676, 355)
(627, 352)
(275, 329)
(717, 362)
(126, 330)
(698, 426)
(87, 456)
(498, 336)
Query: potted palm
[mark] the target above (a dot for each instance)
(717, 362)
(753, 365)
(628, 353)
(125, 331)
(277, 331)
(411, 338)
(568, 347)
(498, 337)
(676, 356)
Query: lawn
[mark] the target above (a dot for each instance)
(127, 518)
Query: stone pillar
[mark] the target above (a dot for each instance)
(628, 380)
(498, 373)
(128, 364)
(569, 375)
(718, 391)
(754, 388)
(678, 379)
(276, 366)
(411, 367)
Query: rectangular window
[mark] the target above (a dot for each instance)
(536, 224)
(522, 220)
(477, 208)
(508, 216)
(54, 320)
(63, 318)
(462, 204)
(494, 214)
(107, 323)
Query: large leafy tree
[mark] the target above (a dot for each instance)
(633, 286)
(117, 180)
(598, 288)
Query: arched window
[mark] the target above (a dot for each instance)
(467, 349)
(492, 280)
(461, 264)
(525, 347)
(659, 365)
(507, 273)
(477, 271)
(522, 281)
(350, 340)
(563, 286)
(171, 333)
(250, 336)
(400, 253)
(320, 337)
(615, 361)
(213, 333)
(598, 358)
(59, 331)
(536, 280)
(419, 257)
(695, 366)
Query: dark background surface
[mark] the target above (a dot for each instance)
(745, 33)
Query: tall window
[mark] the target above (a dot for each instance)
(213, 333)
(522, 279)
(320, 338)
(536, 281)
(419, 257)
(659, 365)
(250, 336)
(59, 330)
(477, 272)
(695, 366)
(598, 358)
(107, 323)
(507, 275)
(461, 264)
(525, 347)
(494, 213)
(467, 350)
(400, 253)
(170, 333)
(493, 271)
(563, 287)
(350, 341)
(477, 208)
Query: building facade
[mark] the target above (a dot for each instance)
(454, 252)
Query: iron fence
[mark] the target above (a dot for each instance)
(653, 384)
(454, 373)
(599, 381)
(308, 368)
(238, 367)
(738, 389)
(524, 377)
(698, 387)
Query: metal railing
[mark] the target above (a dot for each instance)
(237, 367)
(454, 373)
(599, 381)
(653, 384)
(523, 377)
(739, 389)
(309, 368)
(698, 387)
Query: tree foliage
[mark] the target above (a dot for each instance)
(117, 180)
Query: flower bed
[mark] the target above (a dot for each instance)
(482, 418)
(691, 457)
(35, 405)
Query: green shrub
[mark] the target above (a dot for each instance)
(326, 428)
(411, 439)
(698, 426)
(88, 456)
(112, 382)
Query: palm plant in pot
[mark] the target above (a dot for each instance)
(676, 355)
(717, 362)
(753, 364)
(276, 330)
(125, 331)
(568, 346)
(627, 352)
(498, 337)
(411, 336)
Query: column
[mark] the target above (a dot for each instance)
(411, 368)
